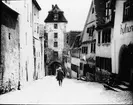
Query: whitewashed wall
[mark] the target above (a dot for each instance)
(119, 37)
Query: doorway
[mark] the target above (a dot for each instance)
(86, 69)
(125, 62)
(52, 68)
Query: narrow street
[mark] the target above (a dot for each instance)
(47, 91)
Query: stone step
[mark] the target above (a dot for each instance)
(123, 87)
(125, 83)
(108, 87)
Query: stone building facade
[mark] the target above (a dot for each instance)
(105, 31)
(122, 43)
(36, 41)
(10, 49)
(41, 37)
(17, 60)
(75, 57)
(55, 24)
(68, 61)
(88, 46)
(26, 40)
(113, 21)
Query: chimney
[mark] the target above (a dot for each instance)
(52, 6)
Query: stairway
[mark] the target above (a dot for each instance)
(122, 86)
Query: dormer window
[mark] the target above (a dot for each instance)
(108, 11)
(92, 10)
(55, 17)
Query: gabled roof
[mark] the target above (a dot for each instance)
(55, 11)
(36, 4)
(55, 8)
(72, 36)
(77, 41)
(86, 20)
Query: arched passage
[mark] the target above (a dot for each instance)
(125, 62)
(52, 67)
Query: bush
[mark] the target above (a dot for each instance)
(90, 76)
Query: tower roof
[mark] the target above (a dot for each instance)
(55, 15)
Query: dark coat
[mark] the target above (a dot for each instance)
(60, 75)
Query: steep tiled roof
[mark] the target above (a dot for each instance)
(72, 36)
(77, 41)
(100, 8)
(55, 12)
(7, 11)
(36, 4)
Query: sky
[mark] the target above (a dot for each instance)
(75, 11)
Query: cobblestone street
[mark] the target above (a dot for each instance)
(47, 91)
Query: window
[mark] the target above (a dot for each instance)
(67, 39)
(81, 66)
(93, 44)
(109, 36)
(55, 35)
(99, 37)
(91, 47)
(84, 50)
(46, 36)
(92, 10)
(55, 17)
(106, 35)
(128, 7)
(90, 30)
(94, 47)
(9, 36)
(55, 44)
(104, 63)
(37, 29)
(74, 67)
(45, 44)
(55, 26)
(45, 58)
(108, 11)
(55, 54)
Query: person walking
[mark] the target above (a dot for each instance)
(60, 76)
